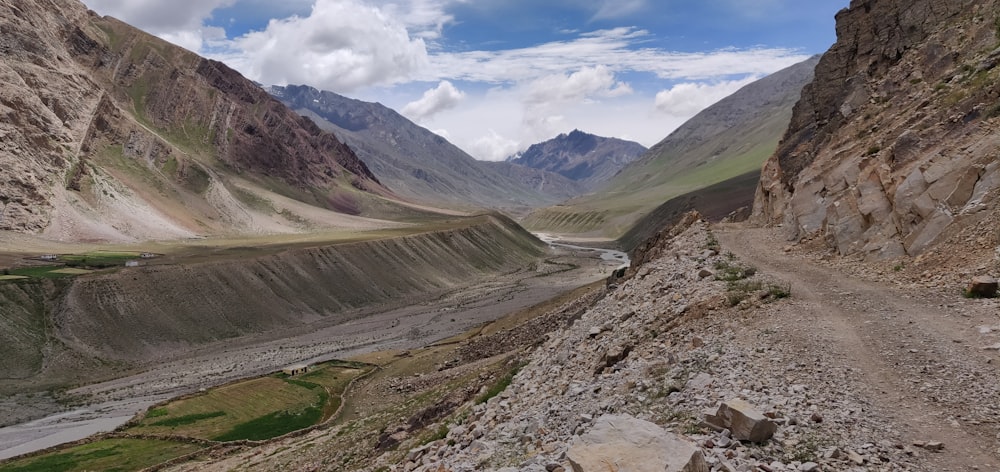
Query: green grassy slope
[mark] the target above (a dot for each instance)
(728, 139)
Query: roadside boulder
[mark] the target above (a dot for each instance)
(622, 442)
(745, 422)
(983, 287)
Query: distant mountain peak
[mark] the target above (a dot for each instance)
(580, 156)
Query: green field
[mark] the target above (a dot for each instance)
(256, 409)
(71, 265)
(106, 455)
(216, 414)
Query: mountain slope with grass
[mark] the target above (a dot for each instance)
(418, 164)
(730, 138)
(113, 134)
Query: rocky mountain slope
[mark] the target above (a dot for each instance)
(837, 377)
(580, 156)
(730, 138)
(419, 164)
(112, 134)
(893, 147)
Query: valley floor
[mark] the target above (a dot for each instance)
(103, 406)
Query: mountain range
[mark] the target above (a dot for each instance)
(730, 138)
(419, 164)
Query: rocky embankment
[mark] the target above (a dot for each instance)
(675, 359)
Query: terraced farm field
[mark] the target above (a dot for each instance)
(257, 409)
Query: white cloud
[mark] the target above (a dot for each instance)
(688, 98)
(341, 46)
(494, 146)
(443, 97)
(180, 22)
(425, 18)
(597, 81)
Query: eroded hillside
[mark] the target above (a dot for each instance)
(112, 134)
(59, 332)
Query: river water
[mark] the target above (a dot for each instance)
(610, 255)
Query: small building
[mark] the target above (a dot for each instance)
(132, 263)
(295, 369)
(147, 255)
(49, 257)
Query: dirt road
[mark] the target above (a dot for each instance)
(925, 359)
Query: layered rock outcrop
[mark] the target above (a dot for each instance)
(892, 147)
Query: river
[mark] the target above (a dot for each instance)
(119, 400)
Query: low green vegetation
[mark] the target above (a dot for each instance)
(188, 419)
(106, 455)
(256, 409)
(71, 265)
(739, 287)
(500, 385)
(731, 272)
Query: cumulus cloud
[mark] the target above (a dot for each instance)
(443, 97)
(546, 99)
(341, 46)
(588, 82)
(688, 98)
(180, 22)
(494, 147)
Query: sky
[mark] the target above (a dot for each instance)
(495, 76)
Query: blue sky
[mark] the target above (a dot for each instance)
(495, 76)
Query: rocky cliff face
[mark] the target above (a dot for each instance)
(95, 110)
(893, 146)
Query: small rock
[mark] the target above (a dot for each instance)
(856, 458)
(933, 446)
(745, 422)
(816, 417)
(809, 467)
(697, 342)
(700, 381)
(983, 286)
(705, 273)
